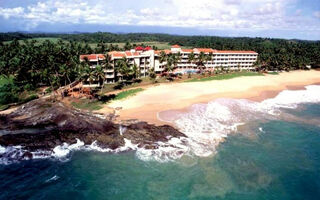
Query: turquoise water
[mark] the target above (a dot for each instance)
(280, 162)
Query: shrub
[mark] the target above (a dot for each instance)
(28, 87)
(48, 90)
(30, 98)
(8, 91)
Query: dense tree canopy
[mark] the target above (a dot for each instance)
(33, 64)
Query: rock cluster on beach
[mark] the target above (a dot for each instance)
(41, 125)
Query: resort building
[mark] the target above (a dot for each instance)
(147, 58)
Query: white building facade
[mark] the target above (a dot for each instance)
(148, 59)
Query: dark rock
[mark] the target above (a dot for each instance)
(42, 125)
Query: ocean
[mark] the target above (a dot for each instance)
(235, 149)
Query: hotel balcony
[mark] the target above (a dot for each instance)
(109, 76)
(108, 70)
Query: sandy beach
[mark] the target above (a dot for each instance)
(146, 105)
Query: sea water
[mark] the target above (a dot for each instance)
(235, 149)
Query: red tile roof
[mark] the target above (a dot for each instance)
(139, 48)
(187, 50)
(92, 57)
(117, 54)
(204, 50)
(147, 48)
(158, 52)
(235, 51)
(135, 54)
(175, 46)
(130, 54)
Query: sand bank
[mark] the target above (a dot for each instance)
(146, 105)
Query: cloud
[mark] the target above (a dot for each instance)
(205, 14)
(11, 12)
(149, 12)
(317, 14)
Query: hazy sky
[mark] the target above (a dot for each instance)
(266, 18)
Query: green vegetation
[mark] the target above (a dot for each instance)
(91, 105)
(225, 76)
(38, 40)
(87, 105)
(4, 107)
(8, 90)
(11, 93)
(273, 73)
(127, 93)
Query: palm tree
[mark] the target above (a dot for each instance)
(91, 76)
(163, 57)
(99, 74)
(239, 67)
(135, 71)
(65, 72)
(169, 66)
(201, 59)
(84, 69)
(152, 74)
(209, 57)
(191, 57)
(107, 61)
(175, 58)
(123, 68)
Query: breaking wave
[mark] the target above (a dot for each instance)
(12, 154)
(205, 127)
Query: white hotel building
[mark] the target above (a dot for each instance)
(146, 58)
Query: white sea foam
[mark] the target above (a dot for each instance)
(2, 149)
(291, 98)
(64, 149)
(54, 178)
(166, 151)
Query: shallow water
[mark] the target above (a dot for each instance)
(267, 158)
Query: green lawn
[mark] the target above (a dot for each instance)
(39, 40)
(273, 73)
(85, 104)
(3, 107)
(91, 105)
(225, 76)
(127, 93)
(159, 45)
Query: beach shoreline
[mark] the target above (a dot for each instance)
(178, 97)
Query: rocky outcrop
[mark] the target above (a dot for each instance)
(42, 125)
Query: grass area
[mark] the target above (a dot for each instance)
(86, 104)
(3, 107)
(39, 40)
(144, 82)
(225, 76)
(159, 45)
(91, 105)
(125, 94)
(273, 73)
